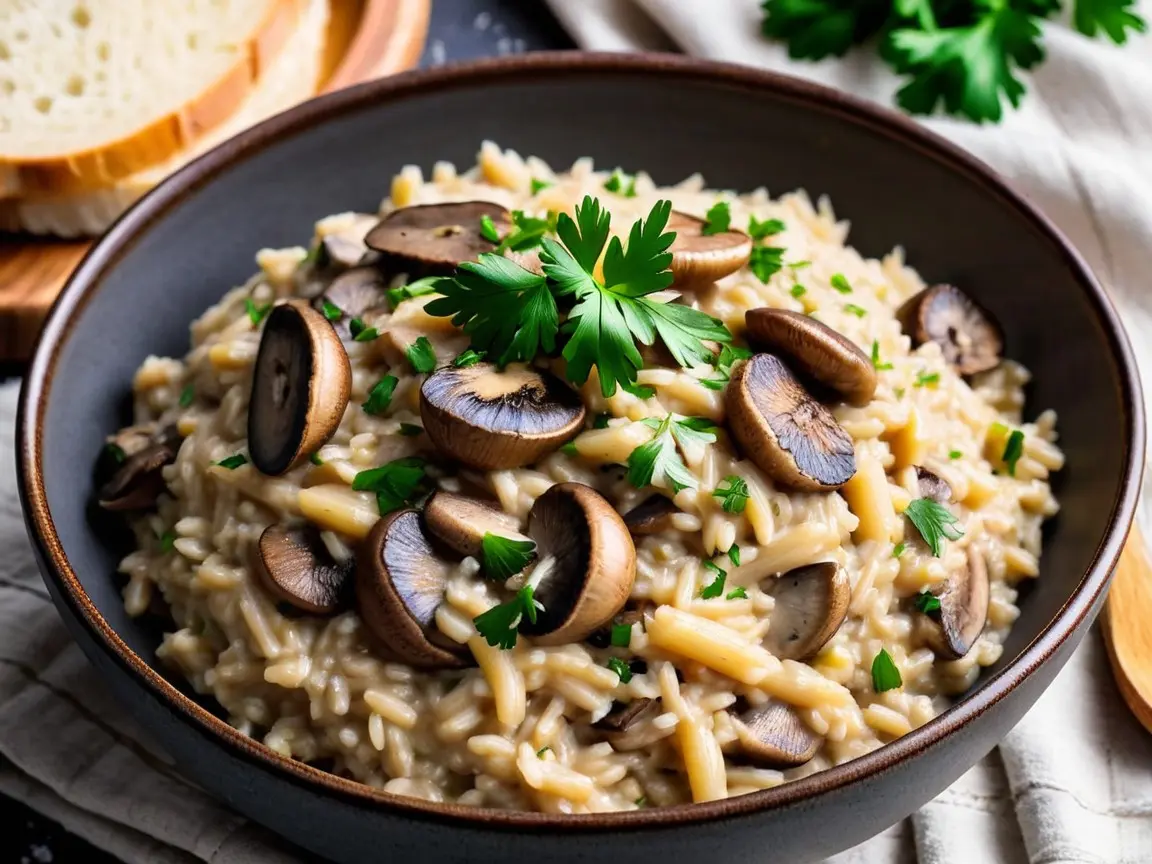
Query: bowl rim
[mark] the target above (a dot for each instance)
(107, 252)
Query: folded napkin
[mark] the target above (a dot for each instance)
(1073, 782)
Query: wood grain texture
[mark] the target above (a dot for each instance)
(366, 39)
(1127, 631)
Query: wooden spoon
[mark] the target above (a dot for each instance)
(1126, 631)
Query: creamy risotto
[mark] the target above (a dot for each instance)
(669, 495)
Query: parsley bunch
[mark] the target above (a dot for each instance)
(962, 55)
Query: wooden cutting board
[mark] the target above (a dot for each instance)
(366, 39)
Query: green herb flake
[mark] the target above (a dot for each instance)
(116, 452)
(799, 265)
(601, 421)
(877, 364)
(539, 186)
(840, 283)
(935, 522)
(380, 396)
(186, 396)
(397, 485)
(853, 309)
(527, 231)
(167, 541)
(410, 430)
(233, 462)
(330, 310)
(503, 557)
(737, 593)
(659, 459)
(927, 379)
(733, 494)
(419, 288)
(315, 459)
(715, 588)
(621, 668)
(421, 355)
(488, 229)
(898, 392)
(734, 555)
(499, 624)
(758, 230)
(569, 449)
(718, 219)
(1013, 450)
(360, 332)
(766, 261)
(621, 184)
(898, 549)
(927, 602)
(955, 454)
(621, 635)
(641, 801)
(885, 675)
(256, 313)
(540, 753)
(798, 290)
(468, 358)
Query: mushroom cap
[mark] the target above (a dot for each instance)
(342, 250)
(815, 349)
(963, 608)
(296, 568)
(400, 582)
(354, 292)
(933, 486)
(300, 387)
(139, 480)
(624, 714)
(811, 604)
(461, 522)
(773, 735)
(593, 563)
(699, 258)
(966, 332)
(492, 419)
(787, 433)
(651, 516)
(435, 238)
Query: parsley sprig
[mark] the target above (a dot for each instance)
(398, 484)
(935, 522)
(499, 625)
(885, 673)
(733, 495)
(502, 557)
(659, 458)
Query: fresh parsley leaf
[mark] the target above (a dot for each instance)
(898, 549)
(734, 555)
(397, 485)
(116, 452)
(954, 454)
(315, 459)
(527, 231)
(737, 593)
(1114, 17)
(421, 355)
(540, 753)
(641, 801)
(502, 557)
(233, 462)
(877, 364)
(569, 448)
(488, 229)
(427, 285)
(621, 184)
(934, 521)
(540, 185)
(601, 421)
(798, 290)
(815, 29)
(621, 668)
(361, 332)
(718, 219)
(733, 494)
(187, 395)
(927, 379)
(468, 358)
(689, 431)
(885, 675)
(659, 459)
(765, 261)
(715, 588)
(256, 314)
(499, 624)
(840, 283)
(926, 602)
(621, 635)
(380, 396)
(167, 541)
(853, 309)
(725, 360)
(799, 265)
(758, 230)
(330, 310)
(410, 430)
(1013, 450)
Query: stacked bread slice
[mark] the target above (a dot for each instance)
(102, 99)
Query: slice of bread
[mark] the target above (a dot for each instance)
(294, 77)
(92, 91)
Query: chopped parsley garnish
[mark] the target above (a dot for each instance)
(715, 588)
(116, 452)
(527, 231)
(718, 219)
(926, 602)
(734, 555)
(899, 391)
(410, 430)
(315, 459)
(758, 230)
(840, 283)
(765, 261)
(641, 801)
(256, 314)
(233, 462)
(853, 309)
(798, 290)
(898, 549)
(187, 395)
(799, 265)
(954, 454)
(737, 593)
(361, 332)
(468, 358)
(331, 311)
(568, 448)
(601, 421)
(499, 624)
(621, 635)
(934, 521)
(733, 494)
(421, 355)
(380, 396)
(502, 557)
(427, 285)
(396, 485)
(885, 675)
(1013, 450)
(724, 362)
(659, 457)
(167, 541)
(488, 229)
(621, 184)
(540, 185)
(540, 753)
(927, 379)
(621, 668)
(876, 361)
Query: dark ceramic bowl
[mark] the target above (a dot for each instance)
(195, 236)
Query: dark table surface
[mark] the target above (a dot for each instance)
(460, 30)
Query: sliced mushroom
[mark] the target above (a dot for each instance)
(461, 522)
(773, 735)
(624, 715)
(933, 486)
(786, 432)
(341, 250)
(816, 349)
(811, 604)
(139, 480)
(492, 419)
(651, 516)
(967, 334)
(699, 258)
(400, 582)
(354, 293)
(297, 568)
(963, 609)
(585, 567)
(300, 388)
(435, 238)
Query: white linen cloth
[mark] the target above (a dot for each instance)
(1072, 783)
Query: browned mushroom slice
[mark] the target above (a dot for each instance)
(963, 609)
(139, 480)
(651, 516)
(340, 250)
(400, 582)
(300, 388)
(699, 258)
(354, 293)
(786, 432)
(585, 567)
(626, 714)
(773, 735)
(461, 522)
(967, 334)
(933, 486)
(435, 238)
(297, 568)
(492, 419)
(816, 349)
(811, 604)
